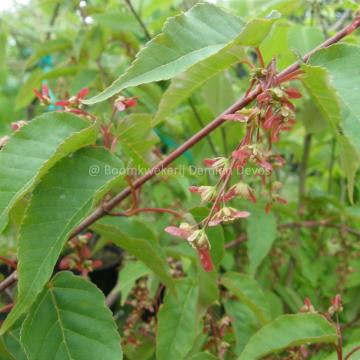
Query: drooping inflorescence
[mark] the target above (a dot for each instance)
(272, 113)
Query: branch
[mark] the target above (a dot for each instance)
(8, 281)
(201, 123)
(240, 104)
(353, 351)
(52, 20)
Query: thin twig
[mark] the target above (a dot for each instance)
(112, 296)
(224, 140)
(260, 57)
(201, 123)
(331, 165)
(6, 308)
(52, 20)
(352, 352)
(139, 20)
(341, 20)
(8, 281)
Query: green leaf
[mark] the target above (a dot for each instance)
(304, 38)
(13, 343)
(244, 322)
(342, 63)
(249, 292)
(132, 271)
(218, 93)
(116, 20)
(287, 331)
(208, 288)
(48, 47)
(70, 320)
(312, 118)
(3, 55)
(276, 44)
(144, 351)
(136, 138)
(149, 252)
(26, 93)
(291, 298)
(176, 331)
(33, 150)
(256, 7)
(63, 198)
(260, 238)
(203, 356)
(4, 353)
(330, 80)
(186, 40)
(185, 84)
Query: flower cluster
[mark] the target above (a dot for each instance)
(197, 239)
(122, 103)
(80, 257)
(336, 305)
(44, 95)
(72, 104)
(272, 114)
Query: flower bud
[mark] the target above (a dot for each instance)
(16, 126)
(184, 231)
(220, 164)
(122, 103)
(244, 190)
(227, 215)
(3, 141)
(277, 93)
(207, 193)
(336, 305)
(198, 239)
(308, 307)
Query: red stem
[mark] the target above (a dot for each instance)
(339, 346)
(6, 308)
(260, 57)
